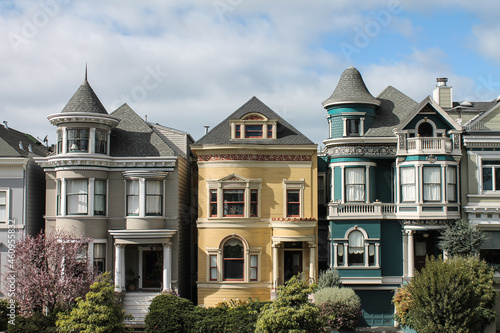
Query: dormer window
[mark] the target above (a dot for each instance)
(254, 126)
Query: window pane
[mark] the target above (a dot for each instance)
(100, 197)
(254, 195)
(497, 179)
(293, 203)
(233, 248)
(432, 184)
(133, 197)
(213, 273)
(487, 179)
(101, 143)
(355, 184)
(233, 269)
(154, 197)
(3, 213)
(3, 198)
(451, 179)
(99, 250)
(78, 140)
(213, 202)
(234, 203)
(77, 196)
(356, 242)
(408, 184)
(233, 259)
(253, 131)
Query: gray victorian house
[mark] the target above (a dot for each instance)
(125, 184)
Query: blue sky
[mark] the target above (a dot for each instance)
(186, 64)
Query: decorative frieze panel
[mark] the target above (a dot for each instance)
(428, 222)
(365, 150)
(254, 157)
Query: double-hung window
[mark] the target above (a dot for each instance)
(293, 203)
(4, 205)
(491, 175)
(408, 184)
(451, 184)
(100, 257)
(233, 258)
(77, 196)
(432, 183)
(355, 184)
(234, 202)
(144, 197)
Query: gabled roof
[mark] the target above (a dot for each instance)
(429, 101)
(351, 89)
(394, 109)
(492, 107)
(286, 133)
(10, 147)
(133, 137)
(84, 100)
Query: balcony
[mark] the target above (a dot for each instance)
(425, 145)
(379, 210)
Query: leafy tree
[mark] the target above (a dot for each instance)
(49, 271)
(329, 278)
(99, 312)
(456, 295)
(461, 239)
(291, 311)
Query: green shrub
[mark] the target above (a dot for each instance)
(402, 301)
(4, 311)
(234, 316)
(291, 311)
(329, 278)
(170, 313)
(461, 239)
(37, 323)
(455, 295)
(340, 307)
(98, 313)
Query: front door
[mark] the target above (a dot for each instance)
(424, 247)
(293, 263)
(152, 269)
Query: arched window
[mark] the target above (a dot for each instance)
(425, 129)
(233, 259)
(356, 246)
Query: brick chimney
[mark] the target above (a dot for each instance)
(443, 94)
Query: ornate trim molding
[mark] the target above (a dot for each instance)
(253, 157)
(362, 150)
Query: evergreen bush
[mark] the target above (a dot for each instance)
(461, 239)
(340, 307)
(170, 313)
(329, 278)
(99, 312)
(455, 295)
(291, 311)
(36, 323)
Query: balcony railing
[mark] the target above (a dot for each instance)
(379, 210)
(442, 145)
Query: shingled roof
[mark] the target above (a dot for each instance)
(84, 100)
(286, 133)
(17, 144)
(134, 137)
(395, 107)
(351, 89)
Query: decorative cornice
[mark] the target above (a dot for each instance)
(94, 162)
(363, 150)
(428, 222)
(254, 157)
(83, 117)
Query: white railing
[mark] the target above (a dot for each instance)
(375, 209)
(442, 145)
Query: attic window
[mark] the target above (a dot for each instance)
(253, 126)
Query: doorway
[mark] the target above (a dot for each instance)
(152, 269)
(424, 247)
(292, 263)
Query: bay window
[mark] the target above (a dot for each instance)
(233, 197)
(144, 197)
(355, 184)
(81, 196)
(408, 184)
(432, 183)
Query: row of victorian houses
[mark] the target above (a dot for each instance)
(238, 212)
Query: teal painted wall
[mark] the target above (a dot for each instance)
(339, 228)
(391, 248)
(337, 122)
(373, 185)
(337, 127)
(337, 173)
(438, 121)
(359, 272)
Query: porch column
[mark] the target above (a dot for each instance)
(276, 246)
(411, 253)
(167, 265)
(119, 269)
(312, 261)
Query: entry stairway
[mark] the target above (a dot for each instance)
(136, 303)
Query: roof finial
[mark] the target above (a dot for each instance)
(85, 71)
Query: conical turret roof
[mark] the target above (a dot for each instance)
(84, 100)
(351, 89)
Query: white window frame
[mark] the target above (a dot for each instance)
(248, 252)
(401, 184)
(142, 196)
(343, 243)
(234, 182)
(6, 190)
(90, 197)
(293, 185)
(249, 119)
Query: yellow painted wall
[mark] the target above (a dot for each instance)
(211, 297)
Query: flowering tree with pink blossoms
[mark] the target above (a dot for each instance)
(48, 271)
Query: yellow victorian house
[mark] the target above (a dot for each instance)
(257, 206)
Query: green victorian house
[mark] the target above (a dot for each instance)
(392, 183)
